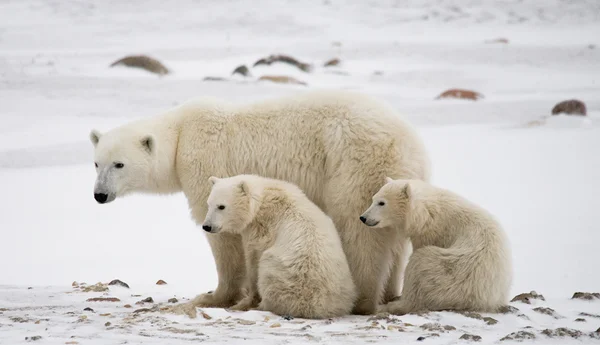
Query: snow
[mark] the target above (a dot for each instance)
(538, 174)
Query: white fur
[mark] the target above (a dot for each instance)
(461, 259)
(295, 264)
(336, 146)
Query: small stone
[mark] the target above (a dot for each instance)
(579, 319)
(275, 325)
(508, 309)
(127, 306)
(83, 317)
(75, 284)
(547, 311)
(570, 107)
(490, 320)
(588, 296)
(288, 317)
(519, 336)
(34, 338)
(307, 327)
(282, 79)
(246, 322)
(461, 94)
(242, 70)
(103, 299)
(145, 300)
(449, 328)
(119, 283)
(590, 315)
(38, 322)
(161, 282)
(420, 338)
(206, 316)
(527, 297)
(88, 309)
(498, 40)
(106, 314)
(72, 342)
(30, 288)
(266, 319)
(173, 300)
(562, 332)
(436, 327)
(99, 287)
(144, 62)
(470, 337)
(395, 328)
(332, 62)
(107, 324)
(142, 310)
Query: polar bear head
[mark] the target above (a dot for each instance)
(231, 205)
(124, 162)
(396, 204)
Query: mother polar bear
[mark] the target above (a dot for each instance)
(338, 147)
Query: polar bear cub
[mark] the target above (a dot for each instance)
(461, 258)
(295, 264)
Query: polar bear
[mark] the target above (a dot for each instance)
(295, 264)
(337, 146)
(461, 258)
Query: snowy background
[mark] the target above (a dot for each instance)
(541, 180)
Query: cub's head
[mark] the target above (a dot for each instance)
(124, 163)
(393, 205)
(230, 205)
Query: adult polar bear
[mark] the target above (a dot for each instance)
(336, 146)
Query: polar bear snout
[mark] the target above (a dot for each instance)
(210, 228)
(207, 228)
(101, 197)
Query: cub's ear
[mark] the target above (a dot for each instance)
(95, 137)
(244, 188)
(148, 143)
(213, 179)
(388, 179)
(407, 191)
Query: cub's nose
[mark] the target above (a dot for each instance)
(100, 197)
(207, 228)
(363, 219)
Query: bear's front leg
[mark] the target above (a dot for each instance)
(252, 299)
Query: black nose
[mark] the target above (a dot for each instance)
(100, 197)
(363, 219)
(207, 228)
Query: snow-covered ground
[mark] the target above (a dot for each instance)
(540, 180)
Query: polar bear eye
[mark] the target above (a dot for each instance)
(119, 165)
(221, 207)
(381, 203)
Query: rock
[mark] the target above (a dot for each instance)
(127, 306)
(173, 300)
(103, 299)
(245, 322)
(75, 284)
(144, 62)
(307, 327)
(206, 316)
(266, 319)
(497, 40)
(107, 324)
(547, 311)
(579, 319)
(332, 62)
(34, 338)
(460, 93)
(508, 309)
(562, 332)
(282, 79)
(214, 79)
(161, 282)
(275, 325)
(119, 283)
(590, 315)
(519, 336)
(18, 319)
(30, 288)
(243, 70)
(527, 297)
(72, 342)
(144, 310)
(285, 59)
(420, 338)
(88, 309)
(436, 327)
(82, 317)
(470, 337)
(570, 107)
(379, 316)
(145, 300)
(98, 287)
(588, 296)
(105, 314)
(288, 317)
(490, 320)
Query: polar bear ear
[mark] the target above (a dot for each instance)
(95, 137)
(388, 179)
(243, 186)
(148, 143)
(407, 191)
(213, 179)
